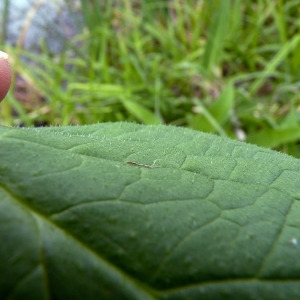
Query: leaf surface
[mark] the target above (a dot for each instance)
(192, 216)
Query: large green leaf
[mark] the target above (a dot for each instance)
(200, 217)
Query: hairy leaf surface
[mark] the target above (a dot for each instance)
(125, 211)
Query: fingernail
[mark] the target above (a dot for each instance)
(3, 55)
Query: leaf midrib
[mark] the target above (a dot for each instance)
(138, 289)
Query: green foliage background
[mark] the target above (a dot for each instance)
(226, 67)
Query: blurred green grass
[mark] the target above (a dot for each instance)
(226, 67)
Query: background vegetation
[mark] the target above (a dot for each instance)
(226, 67)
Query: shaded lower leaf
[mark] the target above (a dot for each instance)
(193, 216)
